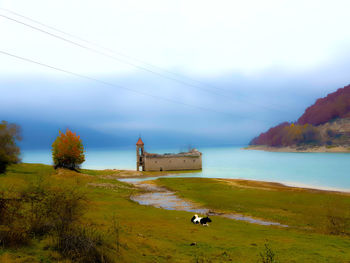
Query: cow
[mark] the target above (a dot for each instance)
(200, 220)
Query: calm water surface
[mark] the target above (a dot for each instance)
(320, 170)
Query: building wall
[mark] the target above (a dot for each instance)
(166, 163)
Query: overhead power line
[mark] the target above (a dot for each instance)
(116, 58)
(108, 49)
(112, 84)
(106, 55)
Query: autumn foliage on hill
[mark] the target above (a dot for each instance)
(304, 131)
(286, 134)
(68, 150)
(334, 105)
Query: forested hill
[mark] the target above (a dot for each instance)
(334, 105)
(327, 122)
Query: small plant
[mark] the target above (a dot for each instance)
(267, 255)
(68, 151)
(116, 231)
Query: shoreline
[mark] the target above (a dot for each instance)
(133, 174)
(294, 149)
(317, 188)
(283, 184)
(288, 185)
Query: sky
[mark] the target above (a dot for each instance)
(201, 73)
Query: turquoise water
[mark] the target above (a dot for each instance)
(319, 170)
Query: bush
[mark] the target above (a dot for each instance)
(267, 255)
(64, 207)
(83, 244)
(9, 151)
(46, 210)
(38, 210)
(68, 151)
(13, 227)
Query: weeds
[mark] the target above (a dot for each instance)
(267, 255)
(13, 230)
(83, 244)
(337, 224)
(337, 218)
(115, 230)
(43, 209)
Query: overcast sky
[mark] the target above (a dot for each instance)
(222, 71)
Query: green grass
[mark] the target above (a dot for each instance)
(296, 207)
(149, 234)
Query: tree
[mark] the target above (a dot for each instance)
(67, 151)
(9, 151)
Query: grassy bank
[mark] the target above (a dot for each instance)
(148, 234)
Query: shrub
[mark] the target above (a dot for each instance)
(83, 244)
(38, 210)
(9, 151)
(44, 209)
(64, 207)
(267, 255)
(68, 151)
(13, 228)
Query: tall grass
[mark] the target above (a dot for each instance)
(337, 218)
(267, 255)
(45, 209)
(13, 227)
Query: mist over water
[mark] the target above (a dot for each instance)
(319, 170)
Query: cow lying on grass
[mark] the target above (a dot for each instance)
(200, 220)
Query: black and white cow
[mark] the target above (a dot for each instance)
(200, 220)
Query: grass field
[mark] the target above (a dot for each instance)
(297, 207)
(148, 234)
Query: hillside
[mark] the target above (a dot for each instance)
(108, 227)
(334, 105)
(325, 123)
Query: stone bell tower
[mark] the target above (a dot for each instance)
(140, 155)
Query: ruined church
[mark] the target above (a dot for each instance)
(191, 160)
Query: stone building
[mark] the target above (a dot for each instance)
(191, 160)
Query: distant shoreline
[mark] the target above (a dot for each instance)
(301, 149)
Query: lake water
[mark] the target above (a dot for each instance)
(318, 170)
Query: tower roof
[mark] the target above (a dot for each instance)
(140, 142)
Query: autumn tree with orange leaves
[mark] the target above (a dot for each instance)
(68, 151)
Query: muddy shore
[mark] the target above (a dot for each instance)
(161, 197)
